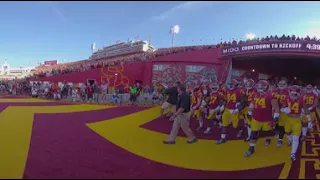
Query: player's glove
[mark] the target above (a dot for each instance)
(234, 111)
(276, 117)
(310, 124)
(249, 114)
(285, 110)
(275, 120)
(222, 108)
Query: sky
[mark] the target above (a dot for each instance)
(35, 31)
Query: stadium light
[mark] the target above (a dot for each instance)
(253, 70)
(250, 36)
(295, 78)
(174, 30)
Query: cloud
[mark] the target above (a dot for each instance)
(183, 7)
(55, 9)
(314, 22)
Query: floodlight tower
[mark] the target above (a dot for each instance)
(173, 31)
(250, 36)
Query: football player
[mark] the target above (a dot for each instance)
(196, 100)
(292, 106)
(249, 91)
(234, 104)
(311, 100)
(280, 94)
(215, 108)
(260, 109)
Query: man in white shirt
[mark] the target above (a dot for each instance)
(104, 91)
(83, 89)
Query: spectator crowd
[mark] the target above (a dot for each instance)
(85, 65)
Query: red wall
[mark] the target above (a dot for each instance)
(131, 72)
(203, 56)
(142, 71)
(176, 64)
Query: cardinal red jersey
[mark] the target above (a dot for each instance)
(309, 99)
(203, 87)
(89, 90)
(250, 93)
(232, 97)
(53, 89)
(294, 105)
(126, 90)
(195, 96)
(214, 100)
(262, 110)
(280, 95)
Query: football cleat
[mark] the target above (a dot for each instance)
(267, 142)
(221, 141)
(249, 152)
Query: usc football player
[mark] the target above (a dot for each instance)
(311, 100)
(280, 94)
(214, 104)
(292, 107)
(234, 104)
(260, 109)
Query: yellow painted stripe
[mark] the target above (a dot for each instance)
(24, 100)
(285, 170)
(15, 133)
(203, 155)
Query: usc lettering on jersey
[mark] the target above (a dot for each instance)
(262, 111)
(309, 99)
(294, 105)
(232, 97)
(280, 95)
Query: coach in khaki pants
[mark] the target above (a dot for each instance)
(181, 117)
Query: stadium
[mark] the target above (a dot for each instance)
(62, 139)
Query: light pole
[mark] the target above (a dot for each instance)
(173, 31)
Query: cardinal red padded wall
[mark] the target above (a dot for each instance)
(191, 65)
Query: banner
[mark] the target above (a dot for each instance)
(51, 63)
(272, 46)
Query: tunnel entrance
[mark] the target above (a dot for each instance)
(300, 69)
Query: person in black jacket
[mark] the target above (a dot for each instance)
(172, 94)
(181, 117)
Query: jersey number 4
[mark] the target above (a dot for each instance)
(260, 102)
(231, 97)
(294, 107)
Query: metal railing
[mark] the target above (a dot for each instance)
(123, 98)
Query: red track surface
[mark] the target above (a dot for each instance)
(62, 146)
